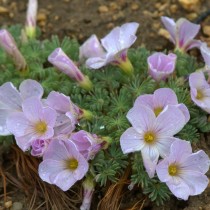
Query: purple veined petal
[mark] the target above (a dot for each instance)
(162, 170)
(64, 125)
(141, 118)
(180, 189)
(63, 63)
(128, 29)
(47, 135)
(186, 31)
(48, 167)
(193, 44)
(91, 48)
(29, 88)
(170, 121)
(180, 149)
(58, 101)
(205, 51)
(150, 157)
(9, 97)
(24, 142)
(111, 42)
(197, 80)
(32, 13)
(164, 96)
(49, 116)
(18, 124)
(131, 141)
(198, 161)
(163, 145)
(196, 181)
(4, 113)
(170, 26)
(32, 108)
(64, 179)
(185, 111)
(146, 100)
(96, 63)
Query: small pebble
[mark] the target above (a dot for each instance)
(17, 206)
(192, 16)
(110, 26)
(164, 33)
(103, 9)
(190, 5)
(41, 17)
(206, 30)
(134, 6)
(8, 204)
(173, 8)
(114, 6)
(3, 10)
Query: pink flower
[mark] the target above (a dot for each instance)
(151, 135)
(87, 144)
(35, 122)
(62, 164)
(183, 171)
(200, 90)
(67, 112)
(160, 99)
(30, 27)
(161, 66)
(63, 63)
(116, 44)
(11, 99)
(182, 33)
(7, 42)
(39, 146)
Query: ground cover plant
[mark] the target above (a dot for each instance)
(97, 111)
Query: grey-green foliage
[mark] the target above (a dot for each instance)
(112, 96)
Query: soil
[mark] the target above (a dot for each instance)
(81, 18)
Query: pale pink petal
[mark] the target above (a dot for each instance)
(198, 161)
(196, 181)
(4, 113)
(170, 26)
(163, 145)
(141, 118)
(64, 179)
(49, 116)
(170, 121)
(164, 96)
(185, 111)
(162, 170)
(9, 97)
(29, 88)
(58, 101)
(91, 48)
(17, 124)
(205, 52)
(186, 31)
(193, 44)
(197, 80)
(32, 108)
(96, 63)
(24, 142)
(180, 149)
(56, 151)
(150, 157)
(146, 100)
(50, 167)
(131, 141)
(180, 190)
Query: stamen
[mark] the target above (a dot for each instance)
(41, 127)
(149, 137)
(72, 164)
(173, 170)
(199, 95)
(158, 110)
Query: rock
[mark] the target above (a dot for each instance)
(110, 26)
(190, 5)
(164, 33)
(3, 10)
(173, 8)
(134, 6)
(192, 16)
(113, 6)
(41, 17)
(8, 204)
(206, 30)
(119, 15)
(17, 206)
(103, 9)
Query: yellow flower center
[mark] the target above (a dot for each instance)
(72, 164)
(199, 95)
(158, 110)
(41, 127)
(149, 137)
(173, 170)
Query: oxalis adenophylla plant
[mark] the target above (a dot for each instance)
(89, 112)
